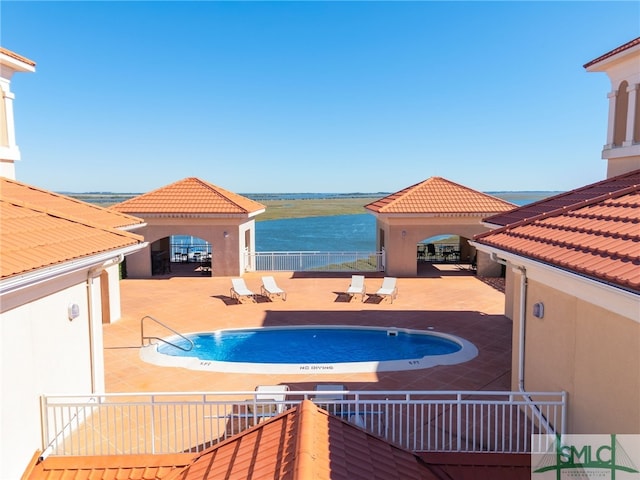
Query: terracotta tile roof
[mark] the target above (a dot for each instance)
(598, 238)
(108, 467)
(306, 443)
(615, 51)
(566, 199)
(34, 237)
(480, 466)
(437, 195)
(54, 202)
(190, 196)
(15, 56)
(303, 443)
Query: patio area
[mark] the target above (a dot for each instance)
(449, 298)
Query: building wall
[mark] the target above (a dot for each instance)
(402, 234)
(584, 349)
(622, 147)
(226, 236)
(42, 351)
(110, 294)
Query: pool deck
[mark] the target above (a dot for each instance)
(449, 298)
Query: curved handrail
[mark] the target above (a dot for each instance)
(143, 337)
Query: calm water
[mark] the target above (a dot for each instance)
(346, 233)
(310, 345)
(338, 233)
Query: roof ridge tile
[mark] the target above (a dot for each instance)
(190, 195)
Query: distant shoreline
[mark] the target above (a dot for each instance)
(303, 205)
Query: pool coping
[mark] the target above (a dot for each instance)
(467, 352)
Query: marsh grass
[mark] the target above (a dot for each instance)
(317, 207)
(276, 209)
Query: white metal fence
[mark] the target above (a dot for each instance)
(190, 422)
(315, 261)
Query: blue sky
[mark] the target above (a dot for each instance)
(312, 96)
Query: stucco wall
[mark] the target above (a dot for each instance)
(42, 351)
(402, 234)
(110, 294)
(585, 350)
(226, 236)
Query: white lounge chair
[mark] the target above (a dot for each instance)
(332, 403)
(272, 393)
(271, 289)
(388, 288)
(329, 401)
(337, 389)
(239, 290)
(357, 287)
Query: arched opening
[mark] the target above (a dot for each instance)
(445, 249)
(182, 256)
(620, 120)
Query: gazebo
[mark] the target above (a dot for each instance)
(194, 208)
(432, 208)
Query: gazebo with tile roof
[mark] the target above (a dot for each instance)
(436, 206)
(197, 208)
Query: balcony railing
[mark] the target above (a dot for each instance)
(139, 423)
(315, 261)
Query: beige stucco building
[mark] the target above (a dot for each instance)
(436, 206)
(59, 282)
(225, 220)
(573, 275)
(10, 63)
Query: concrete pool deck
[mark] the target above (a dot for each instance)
(448, 298)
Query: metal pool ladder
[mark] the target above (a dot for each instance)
(144, 337)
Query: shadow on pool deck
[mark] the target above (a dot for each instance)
(462, 305)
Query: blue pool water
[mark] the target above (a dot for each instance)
(312, 345)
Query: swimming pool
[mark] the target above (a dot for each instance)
(312, 349)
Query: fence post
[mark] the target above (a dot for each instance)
(459, 422)
(563, 422)
(153, 426)
(44, 422)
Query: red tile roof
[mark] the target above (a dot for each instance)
(480, 466)
(303, 443)
(33, 237)
(190, 196)
(20, 58)
(615, 51)
(566, 199)
(108, 467)
(42, 229)
(437, 195)
(598, 238)
(306, 443)
(54, 202)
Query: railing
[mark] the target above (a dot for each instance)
(190, 422)
(316, 261)
(190, 252)
(144, 337)
(440, 253)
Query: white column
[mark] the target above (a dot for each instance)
(612, 118)
(7, 98)
(632, 90)
(9, 151)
